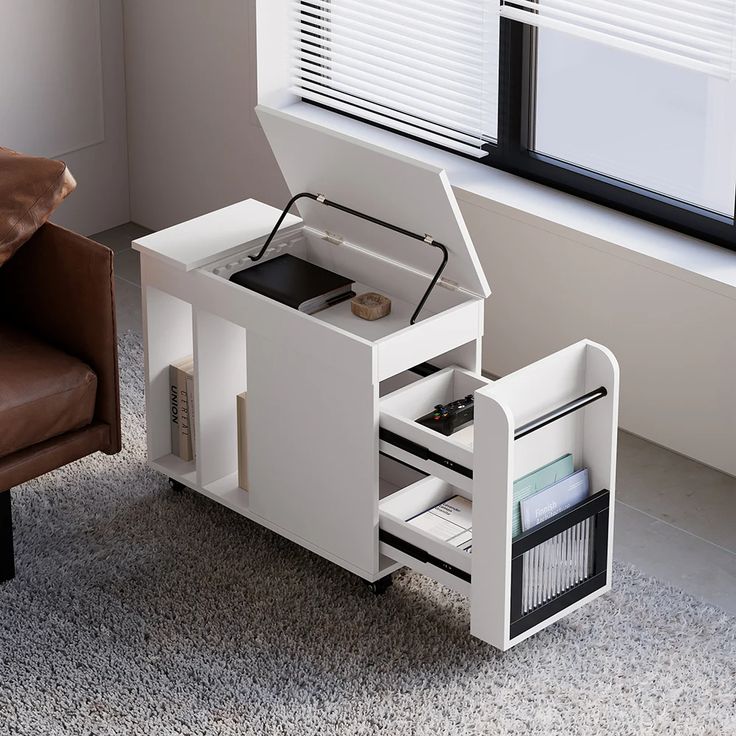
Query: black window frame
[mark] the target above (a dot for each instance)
(513, 151)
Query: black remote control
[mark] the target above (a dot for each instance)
(448, 418)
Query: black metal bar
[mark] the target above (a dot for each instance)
(426, 239)
(558, 604)
(421, 555)
(423, 453)
(401, 462)
(561, 411)
(7, 557)
(517, 586)
(600, 542)
(595, 504)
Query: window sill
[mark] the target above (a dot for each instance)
(680, 256)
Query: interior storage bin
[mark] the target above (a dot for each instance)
(448, 457)
(403, 286)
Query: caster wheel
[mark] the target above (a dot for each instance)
(379, 587)
(176, 486)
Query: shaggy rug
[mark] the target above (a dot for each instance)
(139, 611)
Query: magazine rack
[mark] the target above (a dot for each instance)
(336, 461)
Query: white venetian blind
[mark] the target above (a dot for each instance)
(698, 34)
(428, 68)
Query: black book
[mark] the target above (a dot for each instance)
(296, 283)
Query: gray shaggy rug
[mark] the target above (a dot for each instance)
(139, 611)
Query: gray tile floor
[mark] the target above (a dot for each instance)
(675, 518)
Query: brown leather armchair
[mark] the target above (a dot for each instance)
(59, 394)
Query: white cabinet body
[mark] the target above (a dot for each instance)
(335, 461)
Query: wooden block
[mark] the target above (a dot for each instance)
(242, 443)
(370, 306)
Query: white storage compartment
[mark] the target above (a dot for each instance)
(420, 550)
(448, 457)
(404, 286)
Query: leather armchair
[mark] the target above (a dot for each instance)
(58, 291)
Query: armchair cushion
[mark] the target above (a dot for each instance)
(31, 188)
(43, 391)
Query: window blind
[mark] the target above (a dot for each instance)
(698, 34)
(427, 68)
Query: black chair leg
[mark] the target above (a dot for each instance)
(7, 558)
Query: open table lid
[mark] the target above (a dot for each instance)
(397, 189)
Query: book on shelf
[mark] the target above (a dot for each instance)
(242, 441)
(565, 560)
(534, 482)
(295, 282)
(192, 412)
(554, 499)
(181, 426)
(450, 521)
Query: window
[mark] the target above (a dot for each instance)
(630, 104)
(656, 125)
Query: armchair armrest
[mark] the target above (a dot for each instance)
(60, 287)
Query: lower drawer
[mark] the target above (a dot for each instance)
(553, 566)
(415, 547)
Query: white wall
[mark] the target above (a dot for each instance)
(674, 340)
(195, 145)
(194, 141)
(63, 92)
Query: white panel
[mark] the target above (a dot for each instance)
(396, 189)
(52, 91)
(217, 234)
(102, 198)
(190, 78)
(313, 448)
(429, 338)
(554, 287)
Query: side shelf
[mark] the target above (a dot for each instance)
(167, 325)
(220, 375)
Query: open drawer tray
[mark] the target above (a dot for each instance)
(417, 548)
(553, 566)
(447, 457)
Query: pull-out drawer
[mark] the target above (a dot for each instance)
(447, 457)
(564, 404)
(404, 542)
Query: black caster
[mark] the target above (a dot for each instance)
(176, 486)
(379, 587)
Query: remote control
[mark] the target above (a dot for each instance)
(448, 418)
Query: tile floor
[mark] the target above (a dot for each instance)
(675, 518)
